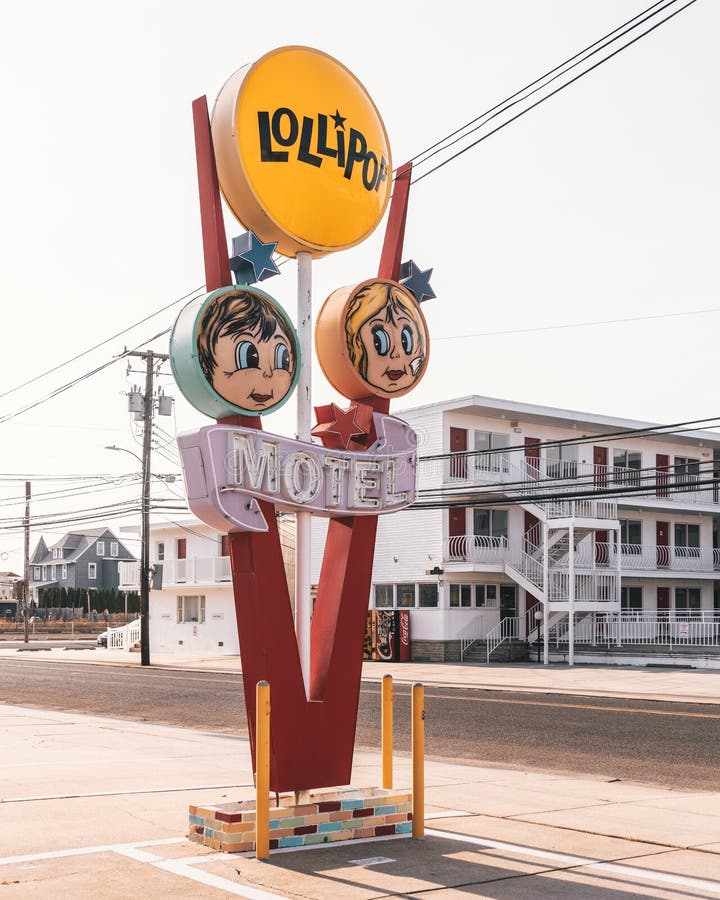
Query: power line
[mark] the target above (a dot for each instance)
(553, 92)
(660, 490)
(79, 379)
(102, 343)
(563, 325)
(507, 103)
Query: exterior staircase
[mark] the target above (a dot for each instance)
(511, 650)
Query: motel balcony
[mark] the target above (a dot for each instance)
(196, 570)
(493, 553)
(513, 473)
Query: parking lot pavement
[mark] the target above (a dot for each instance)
(97, 807)
(645, 683)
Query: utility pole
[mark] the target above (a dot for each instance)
(26, 569)
(147, 416)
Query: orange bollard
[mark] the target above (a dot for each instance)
(387, 732)
(262, 773)
(418, 761)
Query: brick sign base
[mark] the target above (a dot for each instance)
(327, 817)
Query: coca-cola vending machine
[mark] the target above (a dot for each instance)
(387, 635)
(402, 632)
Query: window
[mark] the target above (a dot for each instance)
(160, 551)
(182, 548)
(64, 571)
(92, 570)
(686, 469)
(631, 599)
(486, 460)
(492, 525)
(383, 596)
(428, 595)
(486, 595)
(631, 536)
(100, 548)
(406, 595)
(687, 601)
(627, 465)
(44, 573)
(224, 545)
(461, 595)
(37, 573)
(687, 538)
(191, 608)
(56, 554)
(561, 461)
(113, 548)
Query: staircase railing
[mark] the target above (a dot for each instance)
(124, 637)
(470, 634)
(507, 628)
(528, 562)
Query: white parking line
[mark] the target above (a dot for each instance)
(563, 859)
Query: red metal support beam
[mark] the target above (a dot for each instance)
(217, 267)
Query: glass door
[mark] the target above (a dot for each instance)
(508, 601)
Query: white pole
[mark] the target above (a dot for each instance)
(571, 598)
(546, 584)
(303, 609)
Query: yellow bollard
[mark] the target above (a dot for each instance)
(262, 767)
(418, 761)
(387, 732)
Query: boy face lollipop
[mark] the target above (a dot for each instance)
(235, 351)
(247, 351)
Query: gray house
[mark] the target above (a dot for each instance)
(87, 560)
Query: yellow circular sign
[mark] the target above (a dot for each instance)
(302, 153)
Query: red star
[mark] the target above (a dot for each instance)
(339, 428)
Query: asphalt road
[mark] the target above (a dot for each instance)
(670, 744)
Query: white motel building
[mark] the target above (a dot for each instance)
(566, 532)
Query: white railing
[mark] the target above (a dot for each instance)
(533, 476)
(586, 509)
(528, 562)
(124, 637)
(472, 632)
(507, 628)
(476, 548)
(641, 556)
(196, 570)
(700, 630)
(589, 586)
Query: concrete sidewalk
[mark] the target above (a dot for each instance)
(96, 807)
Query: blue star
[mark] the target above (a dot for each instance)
(415, 281)
(252, 260)
(338, 120)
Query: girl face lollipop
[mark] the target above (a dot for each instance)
(372, 339)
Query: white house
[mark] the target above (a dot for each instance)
(526, 514)
(192, 609)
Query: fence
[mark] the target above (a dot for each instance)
(622, 629)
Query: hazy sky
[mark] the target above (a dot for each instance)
(601, 204)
